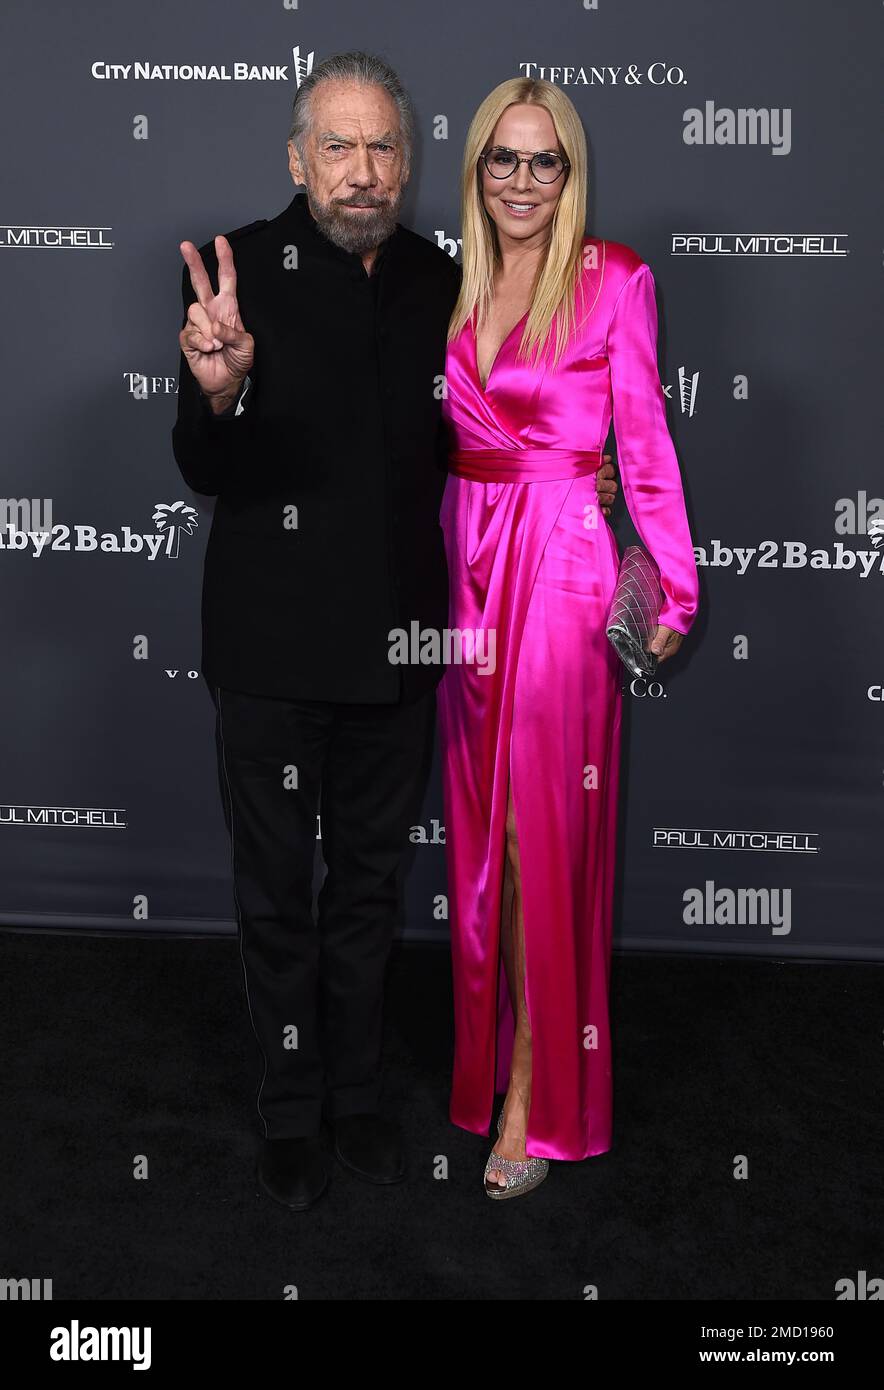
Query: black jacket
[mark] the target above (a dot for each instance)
(342, 422)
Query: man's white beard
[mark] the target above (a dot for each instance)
(357, 232)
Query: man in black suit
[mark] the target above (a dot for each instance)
(309, 405)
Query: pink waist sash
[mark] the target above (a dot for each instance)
(523, 465)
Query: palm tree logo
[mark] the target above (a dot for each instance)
(175, 517)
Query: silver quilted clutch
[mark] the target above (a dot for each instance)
(632, 620)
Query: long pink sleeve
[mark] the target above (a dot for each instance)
(647, 462)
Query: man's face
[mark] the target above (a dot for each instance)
(354, 167)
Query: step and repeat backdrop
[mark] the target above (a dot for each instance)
(737, 149)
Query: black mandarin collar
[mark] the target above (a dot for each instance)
(305, 230)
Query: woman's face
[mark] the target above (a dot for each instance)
(520, 205)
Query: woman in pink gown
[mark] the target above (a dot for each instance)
(530, 727)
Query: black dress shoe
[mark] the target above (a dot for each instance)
(293, 1171)
(370, 1147)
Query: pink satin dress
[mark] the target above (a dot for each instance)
(533, 561)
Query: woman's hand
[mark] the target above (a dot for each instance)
(665, 642)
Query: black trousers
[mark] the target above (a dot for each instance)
(314, 989)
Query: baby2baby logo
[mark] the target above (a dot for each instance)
(171, 520)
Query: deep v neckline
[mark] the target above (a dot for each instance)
(494, 360)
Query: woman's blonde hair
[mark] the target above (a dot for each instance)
(556, 283)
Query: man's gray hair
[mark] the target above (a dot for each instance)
(364, 68)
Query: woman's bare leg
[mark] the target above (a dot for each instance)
(511, 1143)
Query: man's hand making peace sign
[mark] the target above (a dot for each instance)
(215, 344)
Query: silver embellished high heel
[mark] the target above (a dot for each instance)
(522, 1175)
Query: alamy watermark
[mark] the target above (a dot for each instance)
(30, 514)
(430, 646)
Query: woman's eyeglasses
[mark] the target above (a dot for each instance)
(546, 166)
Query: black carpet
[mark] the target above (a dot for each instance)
(114, 1048)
